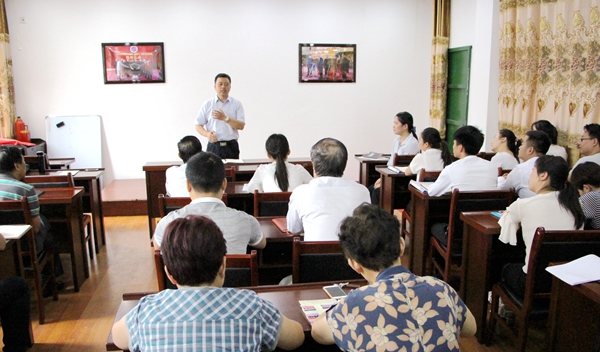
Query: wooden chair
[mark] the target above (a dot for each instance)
(320, 261)
(271, 203)
(547, 246)
(241, 271)
(424, 176)
(486, 156)
(168, 204)
(444, 252)
(502, 171)
(18, 211)
(57, 181)
(402, 160)
(32, 162)
(230, 173)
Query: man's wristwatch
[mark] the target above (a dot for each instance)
(227, 119)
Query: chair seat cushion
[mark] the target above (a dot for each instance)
(540, 307)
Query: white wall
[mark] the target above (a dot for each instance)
(57, 65)
(476, 23)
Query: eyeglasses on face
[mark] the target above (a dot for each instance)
(585, 139)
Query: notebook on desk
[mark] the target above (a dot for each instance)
(281, 224)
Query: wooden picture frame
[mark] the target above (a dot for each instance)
(128, 63)
(326, 63)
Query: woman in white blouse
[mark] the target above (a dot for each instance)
(434, 154)
(406, 143)
(278, 176)
(506, 146)
(555, 207)
(552, 132)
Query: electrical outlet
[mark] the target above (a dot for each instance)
(22, 20)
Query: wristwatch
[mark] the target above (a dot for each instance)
(227, 119)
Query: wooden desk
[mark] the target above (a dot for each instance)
(92, 202)
(11, 261)
(424, 210)
(66, 203)
(275, 260)
(394, 189)
(155, 180)
(574, 324)
(285, 298)
(60, 163)
(366, 173)
(482, 261)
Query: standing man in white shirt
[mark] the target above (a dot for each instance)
(470, 173)
(319, 206)
(535, 144)
(220, 118)
(589, 144)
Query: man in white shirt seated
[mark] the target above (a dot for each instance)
(319, 206)
(470, 173)
(188, 146)
(589, 144)
(206, 183)
(535, 144)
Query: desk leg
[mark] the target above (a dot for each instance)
(419, 210)
(386, 197)
(476, 275)
(98, 225)
(78, 250)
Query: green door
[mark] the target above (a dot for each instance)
(459, 68)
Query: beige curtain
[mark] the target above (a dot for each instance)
(550, 66)
(439, 66)
(7, 91)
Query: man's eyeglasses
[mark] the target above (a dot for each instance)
(585, 139)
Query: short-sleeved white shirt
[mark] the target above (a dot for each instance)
(408, 146)
(504, 160)
(593, 158)
(319, 206)
(175, 184)
(518, 179)
(470, 173)
(429, 160)
(223, 131)
(264, 178)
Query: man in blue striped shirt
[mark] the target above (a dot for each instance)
(201, 315)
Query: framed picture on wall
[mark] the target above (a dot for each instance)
(326, 63)
(133, 63)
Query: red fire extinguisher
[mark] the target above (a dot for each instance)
(21, 131)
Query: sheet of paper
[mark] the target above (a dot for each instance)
(579, 271)
(13, 232)
(313, 308)
(233, 161)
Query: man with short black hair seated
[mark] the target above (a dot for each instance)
(201, 315)
(397, 310)
(589, 144)
(206, 183)
(175, 185)
(535, 144)
(318, 207)
(470, 173)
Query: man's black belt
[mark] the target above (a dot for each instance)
(224, 143)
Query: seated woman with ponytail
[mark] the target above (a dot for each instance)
(279, 176)
(406, 143)
(434, 154)
(555, 206)
(506, 145)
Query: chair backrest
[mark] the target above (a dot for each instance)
(168, 204)
(502, 171)
(14, 212)
(402, 160)
(50, 181)
(320, 261)
(32, 161)
(474, 201)
(271, 203)
(428, 176)
(486, 156)
(230, 173)
(242, 270)
(555, 246)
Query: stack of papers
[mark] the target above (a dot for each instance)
(579, 271)
(313, 308)
(421, 186)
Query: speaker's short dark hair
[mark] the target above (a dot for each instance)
(193, 249)
(224, 75)
(371, 237)
(205, 172)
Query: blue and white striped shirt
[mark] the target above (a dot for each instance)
(203, 319)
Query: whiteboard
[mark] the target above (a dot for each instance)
(78, 137)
